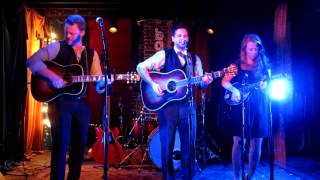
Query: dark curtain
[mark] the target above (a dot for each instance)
(306, 55)
(13, 81)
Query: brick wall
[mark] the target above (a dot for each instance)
(153, 35)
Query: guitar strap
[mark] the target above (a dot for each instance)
(85, 62)
(193, 60)
(84, 93)
(189, 66)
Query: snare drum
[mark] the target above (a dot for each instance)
(155, 149)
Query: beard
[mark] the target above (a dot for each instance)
(73, 42)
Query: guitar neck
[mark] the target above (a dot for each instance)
(221, 73)
(95, 78)
(128, 77)
(197, 79)
(87, 78)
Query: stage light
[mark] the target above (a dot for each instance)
(210, 30)
(280, 88)
(44, 109)
(53, 35)
(113, 27)
(211, 27)
(46, 122)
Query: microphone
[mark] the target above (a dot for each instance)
(99, 20)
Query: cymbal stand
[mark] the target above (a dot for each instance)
(141, 146)
(120, 106)
(135, 124)
(205, 152)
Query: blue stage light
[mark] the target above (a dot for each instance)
(280, 88)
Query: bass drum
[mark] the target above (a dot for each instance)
(155, 149)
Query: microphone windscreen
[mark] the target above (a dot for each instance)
(99, 19)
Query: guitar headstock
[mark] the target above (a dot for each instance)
(129, 77)
(133, 77)
(232, 70)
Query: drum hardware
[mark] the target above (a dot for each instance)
(141, 146)
(133, 129)
(144, 125)
(121, 136)
(205, 153)
(146, 121)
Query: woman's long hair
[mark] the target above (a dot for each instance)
(261, 61)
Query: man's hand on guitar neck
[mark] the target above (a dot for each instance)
(100, 85)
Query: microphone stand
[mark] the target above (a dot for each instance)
(271, 145)
(191, 116)
(203, 132)
(244, 129)
(106, 118)
(243, 148)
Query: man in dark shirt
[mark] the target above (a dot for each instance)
(69, 114)
(175, 113)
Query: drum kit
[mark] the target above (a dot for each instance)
(144, 138)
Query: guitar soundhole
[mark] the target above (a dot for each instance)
(172, 86)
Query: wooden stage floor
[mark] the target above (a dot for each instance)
(38, 168)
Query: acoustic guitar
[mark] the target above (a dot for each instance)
(74, 78)
(244, 90)
(174, 84)
(115, 152)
